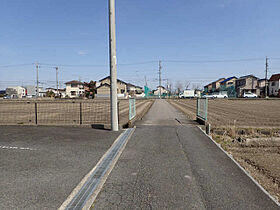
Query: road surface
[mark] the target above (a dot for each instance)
(40, 166)
(170, 164)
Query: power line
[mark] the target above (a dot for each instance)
(15, 65)
(213, 61)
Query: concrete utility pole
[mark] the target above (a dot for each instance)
(159, 79)
(37, 78)
(56, 69)
(113, 66)
(266, 70)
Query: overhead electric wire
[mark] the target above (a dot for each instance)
(15, 65)
(213, 61)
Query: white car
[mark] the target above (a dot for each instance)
(250, 95)
(207, 96)
(220, 96)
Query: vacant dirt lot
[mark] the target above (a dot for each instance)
(250, 131)
(64, 112)
(241, 113)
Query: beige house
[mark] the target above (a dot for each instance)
(245, 84)
(74, 89)
(103, 90)
(261, 87)
(160, 90)
(121, 85)
(274, 85)
(216, 85)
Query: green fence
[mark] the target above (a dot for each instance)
(202, 108)
(132, 108)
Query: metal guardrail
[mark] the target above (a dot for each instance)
(132, 108)
(202, 108)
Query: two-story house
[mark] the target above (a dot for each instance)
(74, 89)
(274, 85)
(246, 84)
(208, 88)
(16, 92)
(228, 85)
(104, 85)
(160, 90)
(261, 88)
(216, 85)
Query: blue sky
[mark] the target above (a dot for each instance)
(72, 32)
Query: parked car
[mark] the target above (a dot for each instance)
(207, 96)
(220, 95)
(7, 97)
(250, 95)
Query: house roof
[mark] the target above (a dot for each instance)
(76, 82)
(274, 77)
(161, 87)
(218, 80)
(247, 76)
(105, 84)
(108, 77)
(230, 78)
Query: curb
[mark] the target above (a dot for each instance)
(246, 172)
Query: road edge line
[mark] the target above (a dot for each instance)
(85, 178)
(246, 172)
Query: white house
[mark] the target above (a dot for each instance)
(274, 85)
(60, 92)
(75, 89)
(16, 91)
(160, 90)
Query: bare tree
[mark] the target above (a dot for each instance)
(187, 84)
(179, 86)
(196, 86)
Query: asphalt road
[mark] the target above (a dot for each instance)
(40, 166)
(170, 164)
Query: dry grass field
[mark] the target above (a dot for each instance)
(63, 112)
(250, 131)
(241, 113)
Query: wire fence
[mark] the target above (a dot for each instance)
(202, 108)
(55, 112)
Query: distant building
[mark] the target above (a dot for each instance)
(208, 88)
(246, 84)
(274, 85)
(160, 90)
(216, 85)
(74, 89)
(121, 85)
(261, 87)
(134, 90)
(16, 92)
(228, 85)
(61, 92)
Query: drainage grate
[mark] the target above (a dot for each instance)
(93, 181)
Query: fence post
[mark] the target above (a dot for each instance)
(36, 114)
(81, 113)
(118, 112)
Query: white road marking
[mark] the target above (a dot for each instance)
(20, 148)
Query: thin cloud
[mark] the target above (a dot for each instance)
(82, 52)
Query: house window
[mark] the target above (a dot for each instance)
(273, 84)
(74, 85)
(122, 91)
(73, 93)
